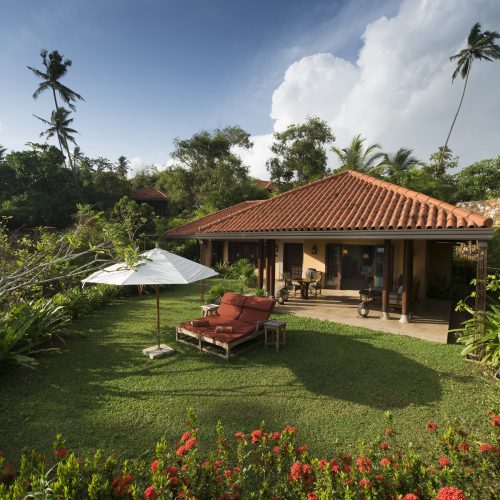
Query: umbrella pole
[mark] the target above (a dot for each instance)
(158, 314)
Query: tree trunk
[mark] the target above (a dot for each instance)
(443, 151)
(58, 136)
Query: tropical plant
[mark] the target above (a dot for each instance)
(480, 45)
(122, 166)
(2, 153)
(59, 126)
(358, 157)
(215, 293)
(245, 272)
(55, 68)
(395, 167)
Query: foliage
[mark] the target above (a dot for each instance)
(265, 464)
(261, 292)
(487, 345)
(438, 287)
(300, 155)
(358, 157)
(242, 270)
(25, 327)
(394, 167)
(215, 293)
(479, 181)
(494, 250)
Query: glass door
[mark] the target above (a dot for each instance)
(333, 267)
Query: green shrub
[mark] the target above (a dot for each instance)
(215, 293)
(264, 465)
(25, 327)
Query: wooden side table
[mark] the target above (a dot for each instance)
(277, 331)
(209, 309)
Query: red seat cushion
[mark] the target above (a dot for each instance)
(230, 306)
(256, 309)
(262, 303)
(240, 330)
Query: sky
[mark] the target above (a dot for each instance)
(155, 70)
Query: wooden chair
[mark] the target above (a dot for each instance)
(315, 286)
(291, 285)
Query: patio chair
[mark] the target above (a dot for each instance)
(291, 285)
(315, 286)
(237, 320)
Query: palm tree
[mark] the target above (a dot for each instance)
(356, 157)
(395, 166)
(2, 152)
(480, 45)
(59, 126)
(55, 68)
(122, 166)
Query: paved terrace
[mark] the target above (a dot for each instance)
(430, 322)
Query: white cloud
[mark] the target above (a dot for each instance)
(398, 92)
(257, 156)
(136, 164)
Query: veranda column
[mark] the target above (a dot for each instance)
(386, 288)
(272, 256)
(268, 268)
(481, 274)
(407, 280)
(262, 260)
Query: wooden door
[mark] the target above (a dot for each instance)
(293, 258)
(333, 267)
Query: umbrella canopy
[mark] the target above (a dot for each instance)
(157, 267)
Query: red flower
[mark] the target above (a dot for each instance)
(227, 473)
(150, 493)
(173, 471)
(489, 447)
(495, 420)
(154, 466)
(365, 483)
(191, 443)
(388, 431)
(322, 464)
(347, 469)
(312, 496)
(301, 449)
(256, 435)
(444, 461)
(363, 463)
(61, 452)
(379, 477)
(296, 471)
(410, 496)
(239, 435)
(450, 493)
(290, 429)
(276, 450)
(432, 426)
(384, 462)
(237, 470)
(175, 481)
(185, 436)
(463, 447)
(384, 445)
(217, 464)
(275, 436)
(335, 468)
(181, 451)
(348, 480)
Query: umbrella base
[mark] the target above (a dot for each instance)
(154, 352)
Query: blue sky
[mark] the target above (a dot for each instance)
(153, 70)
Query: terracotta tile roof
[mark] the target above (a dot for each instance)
(195, 226)
(148, 193)
(268, 185)
(346, 201)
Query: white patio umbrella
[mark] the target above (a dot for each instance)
(156, 267)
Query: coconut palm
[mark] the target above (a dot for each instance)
(122, 166)
(2, 152)
(356, 156)
(59, 126)
(55, 68)
(395, 166)
(480, 45)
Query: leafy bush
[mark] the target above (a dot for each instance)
(25, 327)
(215, 293)
(261, 464)
(261, 292)
(242, 270)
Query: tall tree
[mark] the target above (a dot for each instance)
(122, 166)
(479, 181)
(480, 45)
(59, 126)
(395, 167)
(2, 152)
(300, 155)
(55, 68)
(358, 157)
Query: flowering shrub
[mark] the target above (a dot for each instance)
(270, 465)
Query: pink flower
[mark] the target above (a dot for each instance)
(444, 461)
(432, 426)
(410, 496)
(150, 493)
(185, 436)
(363, 463)
(365, 483)
(384, 445)
(450, 493)
(154, 466)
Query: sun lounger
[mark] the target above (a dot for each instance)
(237, 320)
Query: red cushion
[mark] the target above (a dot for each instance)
(251, 315)
(261, 303)
(230, 306)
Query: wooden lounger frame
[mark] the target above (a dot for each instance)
(210, 345)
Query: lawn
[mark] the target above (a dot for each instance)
(333, 382)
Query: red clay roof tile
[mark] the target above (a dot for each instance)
(148, 193)
(346, 201)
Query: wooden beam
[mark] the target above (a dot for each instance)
(262, 261)
(386, 287)
(480, 300)
(272, 269)
(407, 281)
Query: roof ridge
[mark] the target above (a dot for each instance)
(232, 214)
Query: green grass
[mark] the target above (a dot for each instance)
(333, 382)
